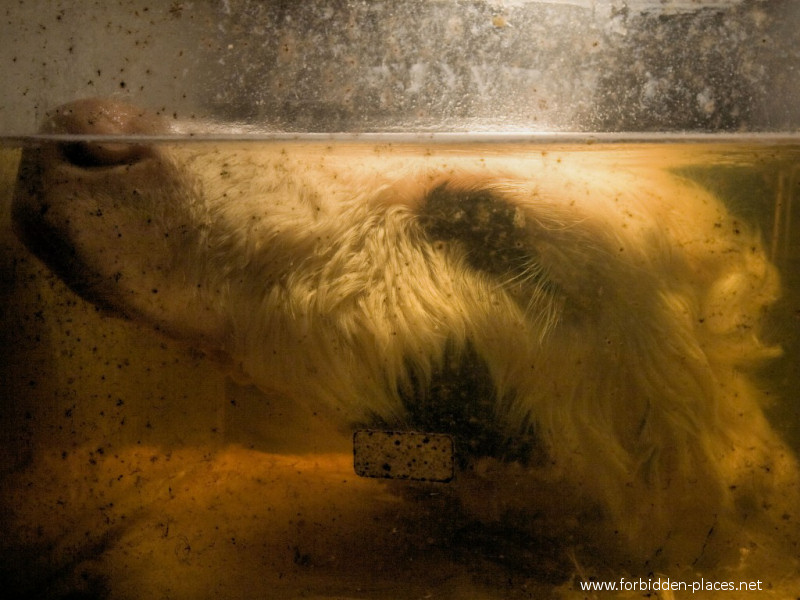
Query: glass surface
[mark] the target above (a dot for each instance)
(411, 65)
(177, 463)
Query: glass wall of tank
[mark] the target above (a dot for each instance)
(593, 320)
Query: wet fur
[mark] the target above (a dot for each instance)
(616, 313)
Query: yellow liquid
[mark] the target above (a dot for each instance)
(136, 459)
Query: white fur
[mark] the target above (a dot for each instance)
(626, 342)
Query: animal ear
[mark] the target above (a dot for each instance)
(734, 306)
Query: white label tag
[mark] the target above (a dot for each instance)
(403, 455)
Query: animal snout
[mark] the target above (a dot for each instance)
(101, 129)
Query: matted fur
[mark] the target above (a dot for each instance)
(616, 310)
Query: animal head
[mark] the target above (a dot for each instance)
(589, 318)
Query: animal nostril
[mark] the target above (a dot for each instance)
(94, 154)
(97, 118)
